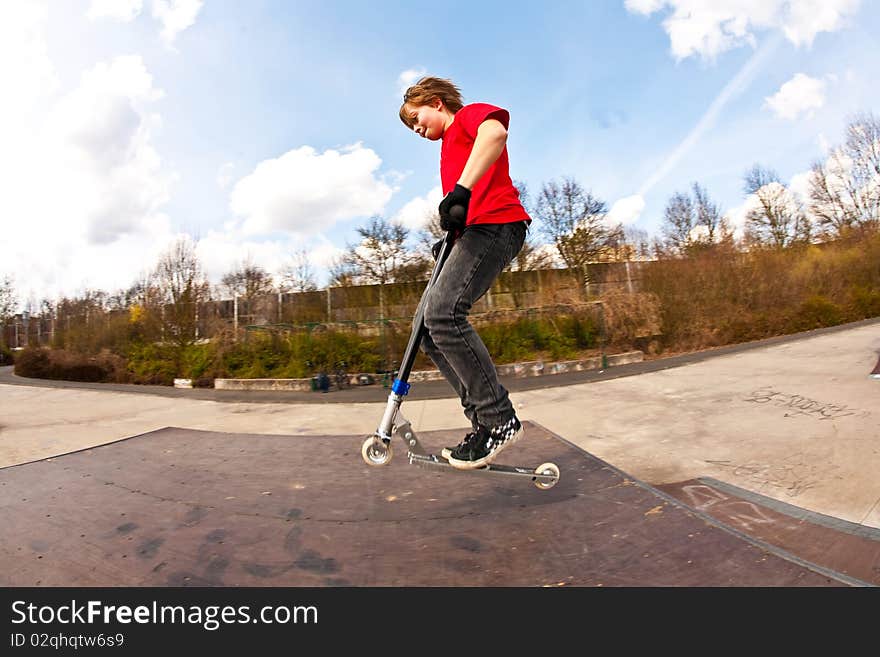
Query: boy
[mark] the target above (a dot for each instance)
(474, 174)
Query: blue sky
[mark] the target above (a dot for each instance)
(261, 128)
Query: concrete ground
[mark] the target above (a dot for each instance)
(795, 420)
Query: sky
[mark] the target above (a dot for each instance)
(264, 128)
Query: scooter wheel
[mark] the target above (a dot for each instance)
(376, 451)
(547, 469)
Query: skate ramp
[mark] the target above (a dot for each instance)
(844, 547)
(178, 507)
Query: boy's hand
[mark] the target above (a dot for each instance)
(460, 196)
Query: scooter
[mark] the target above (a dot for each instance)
(377, 449)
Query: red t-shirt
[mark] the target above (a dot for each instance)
(494, 199)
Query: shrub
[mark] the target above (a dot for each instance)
(816, 312)
(865, 301)
(557, 337)
(33, 363)
(152, 364)
(37, 362)
(726, 297)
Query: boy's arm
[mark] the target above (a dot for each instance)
(488, 146)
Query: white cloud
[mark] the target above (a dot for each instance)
(807, 18)
(799, 96)
(736, 217)
(416, 214)
(646, 7)
(121, 10)
(85, 187)
(796, 193)
(306, 192)
(27, 76)
(800, 185)
(626, 210)
(711, 27)
(175, 16)
(409, 77)
(322, 255)
(224, 175)
(699, 233)
(220, 251)
(83, 180)
(100, 139)
(550, 254)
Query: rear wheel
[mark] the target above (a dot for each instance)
(547, 470)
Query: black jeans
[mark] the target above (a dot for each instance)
(477, 258)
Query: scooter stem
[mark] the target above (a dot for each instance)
(400, 387)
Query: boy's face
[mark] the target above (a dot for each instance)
(429, 121)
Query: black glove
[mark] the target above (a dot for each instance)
(459, 196)
(435, 250)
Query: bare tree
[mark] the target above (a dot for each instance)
(78, 319)
(247, 281)
(779, 219)
(8, 304)
(382, 256)
(845, 189)
(575, 222)
(342, 273)
(8, 300)
(181, 286)
(251, 287)
(525, 198)
(708, 214)
(298, 275)
(691, 224)
(636, 244)
(533, 254)
(430, 234)
(678, 224)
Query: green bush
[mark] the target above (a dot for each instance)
(816, 312)
(152, 364)
(866, 301)
(528, 338)
(197, 361)
(294, 356)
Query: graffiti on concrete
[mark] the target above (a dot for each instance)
(795, 405)
(795, 474)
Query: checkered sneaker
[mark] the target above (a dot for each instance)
(446, 452)
(484, 445)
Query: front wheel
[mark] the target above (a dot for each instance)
(376, 451)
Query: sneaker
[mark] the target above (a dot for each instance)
(485, 445)
(447, 451)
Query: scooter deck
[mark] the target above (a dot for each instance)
(544, 476)
(438, 462)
